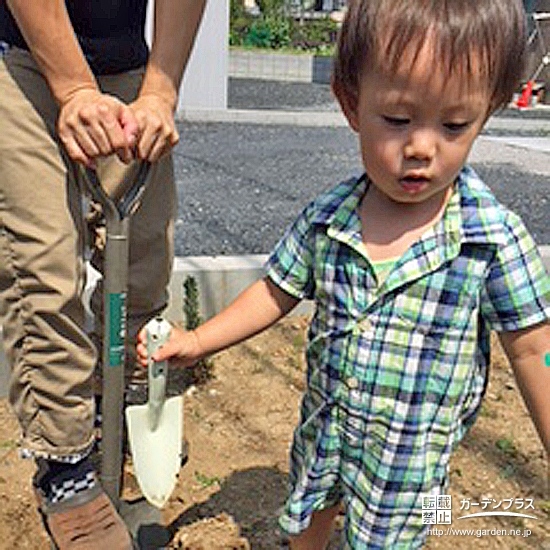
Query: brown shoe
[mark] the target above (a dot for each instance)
(85, 521)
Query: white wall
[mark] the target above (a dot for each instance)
(205, 81)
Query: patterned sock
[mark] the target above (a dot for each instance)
(60, 481)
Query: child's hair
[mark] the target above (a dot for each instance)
(486, 37)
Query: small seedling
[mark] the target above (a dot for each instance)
(506, 445)
(202, 371)
(207, 481)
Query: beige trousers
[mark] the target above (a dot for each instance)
(43, 237)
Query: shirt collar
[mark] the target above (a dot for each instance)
(472, 215)
(483, 218)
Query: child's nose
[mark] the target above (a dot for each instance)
(421, 144)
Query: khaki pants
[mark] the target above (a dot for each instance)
(43, 237)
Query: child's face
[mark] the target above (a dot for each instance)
(416, 127)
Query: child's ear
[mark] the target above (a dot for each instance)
(348, 102)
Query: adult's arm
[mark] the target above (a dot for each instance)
(90, 123)
(175, 27)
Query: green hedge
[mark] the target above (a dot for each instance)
(274, 30)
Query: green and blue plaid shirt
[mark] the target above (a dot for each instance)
(397, 371)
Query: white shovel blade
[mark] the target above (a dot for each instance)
(156, 455)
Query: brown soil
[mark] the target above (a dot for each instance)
(239, 427)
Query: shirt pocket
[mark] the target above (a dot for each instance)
(444, 358)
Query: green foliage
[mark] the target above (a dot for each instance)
(202, 371)
(239, 29)
(506, 445)
(274, 28)
(317, 35)
(240, 22)
(269, 32)
(271, 7)
(191, 304)
(207, 481)
(236, 9)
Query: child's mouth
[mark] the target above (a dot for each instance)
(413, 184)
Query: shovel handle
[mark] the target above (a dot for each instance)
(157, 332)
(129, 202)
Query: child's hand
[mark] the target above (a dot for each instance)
(182, 348)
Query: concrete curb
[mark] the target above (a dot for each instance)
(264, 116)
(220, 279)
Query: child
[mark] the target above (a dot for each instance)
(409, 267)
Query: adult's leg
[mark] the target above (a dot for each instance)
(41, 270)
(41, 280)
(317, 535)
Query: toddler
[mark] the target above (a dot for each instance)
(409, 266)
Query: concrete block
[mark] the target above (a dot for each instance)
(277, 66)
(272, 66)
(239, 65)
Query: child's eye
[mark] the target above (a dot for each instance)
(395, 120)
(456, 127)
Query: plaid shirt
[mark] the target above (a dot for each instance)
(397, 371)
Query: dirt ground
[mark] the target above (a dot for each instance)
(239, 428)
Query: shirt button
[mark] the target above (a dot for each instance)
(352, 383)
(365, 325)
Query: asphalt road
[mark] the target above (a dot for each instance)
(240, 185)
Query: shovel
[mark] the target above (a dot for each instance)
(115, 287)
(155, 429)
(141, 518)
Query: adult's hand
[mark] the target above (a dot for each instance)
(92, 124)
(157, 129)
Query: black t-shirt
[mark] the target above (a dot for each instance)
(110, 32)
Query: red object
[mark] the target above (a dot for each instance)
(525, 98)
